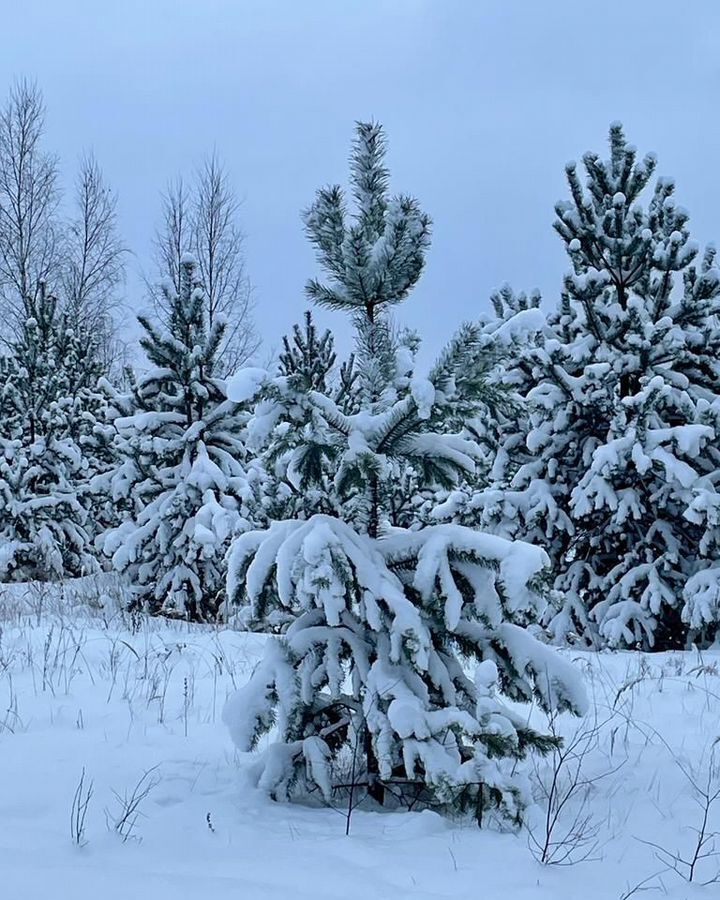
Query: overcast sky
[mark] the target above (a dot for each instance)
(483, 102)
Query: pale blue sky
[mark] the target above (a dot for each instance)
(483, 102)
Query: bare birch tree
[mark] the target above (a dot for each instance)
(173, 238)
(218, 247)
(29, 198)
(203, 220)
(93, 265)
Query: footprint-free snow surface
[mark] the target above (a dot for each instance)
(133, 707)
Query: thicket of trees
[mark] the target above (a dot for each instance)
(553, 478)
(67, 389)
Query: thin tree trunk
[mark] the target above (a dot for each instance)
(375, 788)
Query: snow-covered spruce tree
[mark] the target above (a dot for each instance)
(43, 518)
(616, 468)
(180, 469)
(372, 682)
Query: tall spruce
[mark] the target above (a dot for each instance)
(368, 684)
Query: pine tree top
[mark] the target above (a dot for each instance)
(374, 256)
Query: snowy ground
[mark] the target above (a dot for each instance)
(86, 689)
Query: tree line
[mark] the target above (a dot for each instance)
(594, 437)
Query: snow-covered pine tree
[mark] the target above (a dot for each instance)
(180, 469)
(86, 405)
(505, 338)
(296, 451)
(372, 682)
(622, 385)
(43, 519)
(307, 355)
(100, 442)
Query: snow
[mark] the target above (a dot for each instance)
(423, 393)
(244, 384)
(404, 360)
(118, 699)
(521, 325)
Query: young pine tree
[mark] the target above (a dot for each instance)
(616, 468)
(43, 471)
(180, 471)
(369, 682)
(296, 450)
